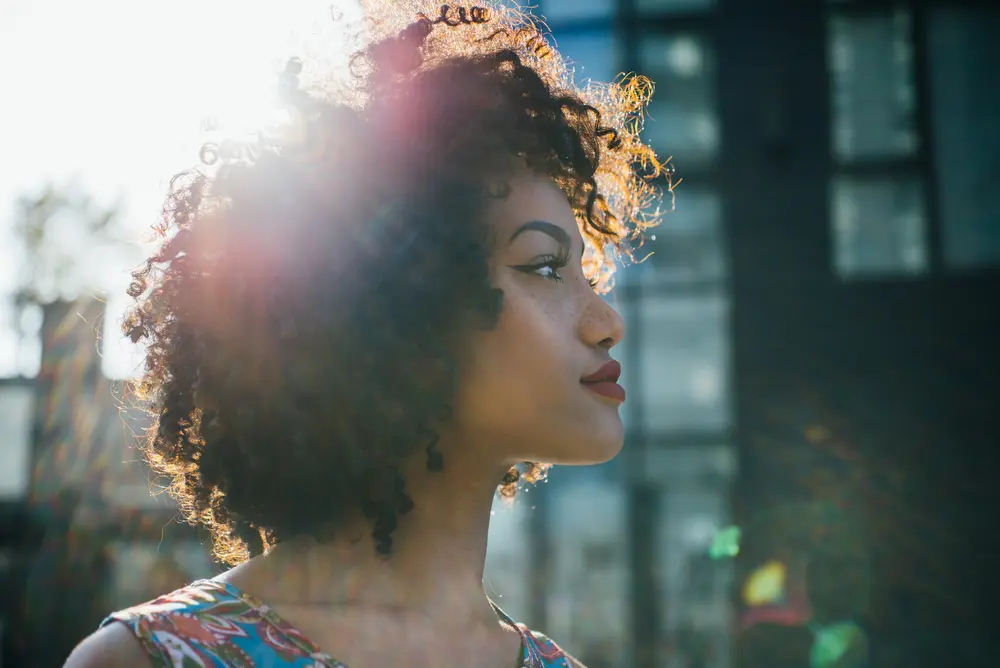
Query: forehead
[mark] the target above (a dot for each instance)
(532, 198)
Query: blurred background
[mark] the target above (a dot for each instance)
(812, 352)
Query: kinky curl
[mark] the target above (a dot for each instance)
(304, 311)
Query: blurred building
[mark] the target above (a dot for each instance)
(811, 355)
(810, 349)
(80, 533)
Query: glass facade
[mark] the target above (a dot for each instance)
(676, 363)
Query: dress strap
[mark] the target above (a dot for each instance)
(529, 654)
(214, 625)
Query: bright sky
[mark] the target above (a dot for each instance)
(113, 93)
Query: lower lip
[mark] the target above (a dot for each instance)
(607, 388)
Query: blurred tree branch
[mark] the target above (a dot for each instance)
(64, 241)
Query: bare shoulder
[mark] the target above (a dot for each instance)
(113, 646)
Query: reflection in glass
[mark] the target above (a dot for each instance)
(964, 53)
(682, 121)
(684, 362)
(878, 226)
(872, 93)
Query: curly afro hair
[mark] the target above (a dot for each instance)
(310, 266)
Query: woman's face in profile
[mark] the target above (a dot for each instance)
(520, 395)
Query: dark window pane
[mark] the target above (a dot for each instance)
(872, 86)
(682, 120)
(964, 59)
(878, 226)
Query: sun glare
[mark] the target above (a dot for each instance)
(115, 94)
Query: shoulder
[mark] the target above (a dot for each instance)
(546, 649)
(159, 633)
(113, 646)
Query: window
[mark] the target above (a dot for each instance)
(878, 221)
(687, 245)
(682, 122)
(878, 225)
(871, 68)
(963, 53)
(589, 597)
(20, 340)
(17, 400)
(684, 381)
(692, 587)
(680, 323)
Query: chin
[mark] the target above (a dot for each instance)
(606, 453)
(598, 445)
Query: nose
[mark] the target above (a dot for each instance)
(600, 323)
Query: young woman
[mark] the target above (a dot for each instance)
(361, 324)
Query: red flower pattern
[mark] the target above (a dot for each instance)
(211, 624)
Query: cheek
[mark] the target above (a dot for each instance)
(523, 362)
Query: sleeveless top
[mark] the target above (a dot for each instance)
(210, 624)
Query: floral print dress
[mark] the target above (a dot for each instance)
(211, 624)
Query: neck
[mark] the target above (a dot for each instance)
(437, 559)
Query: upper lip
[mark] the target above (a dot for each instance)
(609, 371)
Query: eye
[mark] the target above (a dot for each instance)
(594, 281)
(549, 271)
(547, 267)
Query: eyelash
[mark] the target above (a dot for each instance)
(555, 263)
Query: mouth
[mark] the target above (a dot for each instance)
(604, 381)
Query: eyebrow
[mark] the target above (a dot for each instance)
(545, 227)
